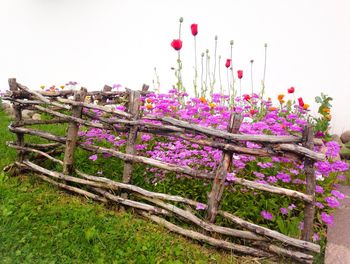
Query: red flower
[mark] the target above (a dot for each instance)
(240, 74)
(291, 90)
(176, 44)
(246, 97)
(301, 102)
(228, 63)
(252, 111)
(194, 29)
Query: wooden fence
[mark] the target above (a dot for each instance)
(250, 239)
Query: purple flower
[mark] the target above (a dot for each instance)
(201, 206)
(230, 176)
(265, 165)
(291, 207)
(283, 177)
(327, 219)
(319, 189)
(271, 179)
(93, 157)
(266, 215)
(332, 201)
(338, 194)
(333, 149)
(315, 237)
(301, 225)
(284, 211)
(319, 205)
(146, 137)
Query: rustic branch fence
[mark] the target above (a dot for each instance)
(250, 239)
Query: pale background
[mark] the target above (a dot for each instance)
(97, 42)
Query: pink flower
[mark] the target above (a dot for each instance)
(327, 219)
(200, 206)
(284, 211)
(266, 215)
(93, 157)
(338, 194)
(332, 202)
(230, 176)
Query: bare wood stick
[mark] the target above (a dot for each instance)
(134, 110)
(72, 135)
(9, 144)
(73, 118)
(203, 224)
(273, 189)
(131, 203)
(97, 107)
(223, 134)
(302, 151)
(39, 122)
(271, 233)
(309, 212)
(35, 94)
(299, 256)
(18, 117)
(139, 190)
(39, 133)
(215, 194)
(212, 241)
(73, 189)
(43, 146)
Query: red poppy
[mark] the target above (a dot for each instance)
(246, 97)
(228, 63)
(291, 90)
(240, 74)
(194, 29)
(252, 111)
(301, 102)
(176, 44)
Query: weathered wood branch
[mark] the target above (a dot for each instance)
(226, 135)
(271, 233)
(212, 241)
(131, 203)
(203, 224)
(26, 149)
(46, 146)
(73, 189)
(30, 122)
(97, 107)
(302, 151)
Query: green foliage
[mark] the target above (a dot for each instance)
(322, 123)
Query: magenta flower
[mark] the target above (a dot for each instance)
(284, 211)
(338, 194)
(333, 149)
(230, 176)
(319, 189)
(315, 237)
(93, 157)
(319, 205)
(266, 215)
(201, 206)
(146, 137)
(332, 202)
(327, 219)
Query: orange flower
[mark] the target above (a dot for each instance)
(328, 117)
(212, 105)
(272, 108)
(62, 87)
(149, 100)
(203, 100)
(280, 98)
(306, 106)
(326, 110)
(149, 106)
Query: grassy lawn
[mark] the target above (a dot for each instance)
(41, 224)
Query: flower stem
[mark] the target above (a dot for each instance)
(195, 68)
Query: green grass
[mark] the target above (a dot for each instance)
(42, 224)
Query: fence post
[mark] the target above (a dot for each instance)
(309, 211)
(72, 133)
(215, 194)
(134, 109)
(18, 117)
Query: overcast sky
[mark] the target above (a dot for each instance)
(97, 42)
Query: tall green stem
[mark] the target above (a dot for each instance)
(263, 80)
(195, 68)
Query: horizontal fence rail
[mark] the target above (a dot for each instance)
(67, 106)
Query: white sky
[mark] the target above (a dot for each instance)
(97, 42)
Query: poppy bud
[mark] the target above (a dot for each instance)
(291, 90)
(228, 63)
(194, 29)
(176, 44)
(301, 102)
(240, 74)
